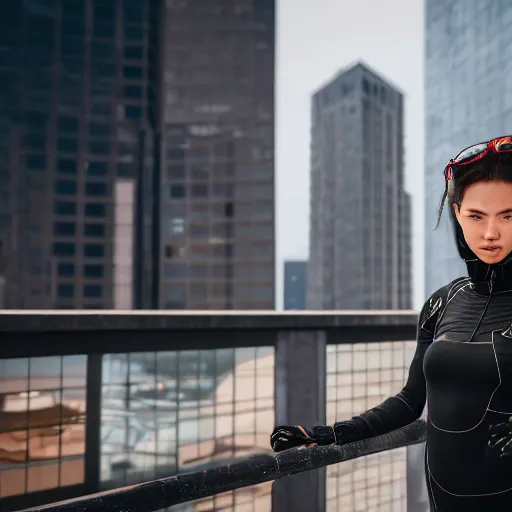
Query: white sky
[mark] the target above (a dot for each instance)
(314, 41)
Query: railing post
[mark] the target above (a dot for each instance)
(93, 423)
(300, 376)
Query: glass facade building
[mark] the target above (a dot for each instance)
(468, 100)
(137, 144)
(218, 155)
(77, 124)
(360, 229)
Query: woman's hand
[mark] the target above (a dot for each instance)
(285, 437)
(501, 438)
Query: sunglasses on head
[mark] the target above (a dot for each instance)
(477, 151)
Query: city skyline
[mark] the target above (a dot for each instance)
(139, 155)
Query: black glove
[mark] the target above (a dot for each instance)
(501, 438)
(285, 437)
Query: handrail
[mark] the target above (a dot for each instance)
(166, 492)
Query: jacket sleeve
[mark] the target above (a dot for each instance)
(407, 406)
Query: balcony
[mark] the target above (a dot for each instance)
(98, 402)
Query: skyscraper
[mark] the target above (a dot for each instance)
(295, 284)
(360, 234)
(77, 122)
(218, 157)
(138, 159)
(470, 42)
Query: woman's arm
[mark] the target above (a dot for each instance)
(395, 412)
(407, 406)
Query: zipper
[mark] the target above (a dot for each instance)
(491, 287)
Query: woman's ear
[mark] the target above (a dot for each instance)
(456, 210)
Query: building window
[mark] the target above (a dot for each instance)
(92, 290)
(133, 33)
(63, 249)
(177, 191)
(199, 190)
(99, 130)
(96, 189)
(68, 124)
(133, 52)
(175, 154)
(95, 210)
(176, 297)
(176, 171)
(65, 187)
(177, 226)
(125, 170)
(229, 209)
(37, 119)
(99, 148)
(95, 230)
(132, 112)
(198, 153)
(64, 208)
(173, 252)
(66, 166)
(64, 228)
(36, 162)
(133, 91)
(94, 250)
(66, 270)
(93, 271)
(99, 108)
(176, 270)
(35, 141)
(132, 72)
(65, 291)
(67, 145)
(97, 168)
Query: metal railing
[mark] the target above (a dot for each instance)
(95, 401)
(167, 492)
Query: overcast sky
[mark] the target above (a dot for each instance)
(314, 41)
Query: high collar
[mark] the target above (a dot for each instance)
(483, 274)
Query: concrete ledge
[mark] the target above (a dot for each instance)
(116, 320)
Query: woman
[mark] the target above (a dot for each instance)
(463, 359)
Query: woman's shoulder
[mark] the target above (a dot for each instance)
(449, 290)
(438, 300)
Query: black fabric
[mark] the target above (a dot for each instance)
(406, 406)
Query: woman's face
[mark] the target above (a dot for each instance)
(485, 216)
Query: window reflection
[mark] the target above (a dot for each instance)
(169, 412)
(42, 423)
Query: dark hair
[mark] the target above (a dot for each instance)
(490, 168)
